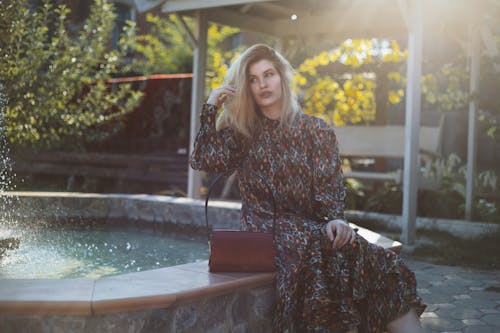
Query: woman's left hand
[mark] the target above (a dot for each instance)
(340, 233)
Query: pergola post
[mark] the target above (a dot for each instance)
(474, 54)
(197, 94)
(412, 121)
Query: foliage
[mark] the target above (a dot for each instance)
(339, 85)
(446, 89)
(218, 60)
(356, 195)
(164, 49)
(489, 103)
(56, 86)
(347, 96)
(444, 249)
(449, 200)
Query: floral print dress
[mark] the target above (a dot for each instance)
(319, 289)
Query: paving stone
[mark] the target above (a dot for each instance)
(476, 303)
(437, 283)
(488, 295)
(474, 274)
(473, 322)
(431, 307)
(490, 311)
(492, 282)
(480, 329)
(423, 291)
(434, 277)
(446, 305)
(429, 315)
(441, 324)
(462, 296)
(476, 288)
(460, 313)
(436, 298)
(451, 290)
(492, 319)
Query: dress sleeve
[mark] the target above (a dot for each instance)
(328, 180)
(215, 151)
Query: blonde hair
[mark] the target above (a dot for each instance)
(241, 111)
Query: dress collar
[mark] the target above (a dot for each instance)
(269, 123)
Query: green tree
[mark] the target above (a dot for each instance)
(339, 85)
(164, 49)
(56, 86)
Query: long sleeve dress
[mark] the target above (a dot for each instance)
(319, 289)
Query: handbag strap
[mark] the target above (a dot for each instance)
(212, 186)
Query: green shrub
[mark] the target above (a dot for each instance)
(56, 84)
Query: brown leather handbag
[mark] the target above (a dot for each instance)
(240, 251)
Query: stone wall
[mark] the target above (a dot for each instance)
(244, 310)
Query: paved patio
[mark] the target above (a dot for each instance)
(458, 299)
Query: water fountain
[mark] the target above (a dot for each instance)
(6, 242)
(182, 298)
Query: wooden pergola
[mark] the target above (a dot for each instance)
(339, 20)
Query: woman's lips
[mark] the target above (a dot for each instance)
(265, 94)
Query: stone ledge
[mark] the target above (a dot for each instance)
(457, 228)
(159, 288)
(183, 211)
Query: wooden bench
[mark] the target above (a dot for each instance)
(167, 171)
(357, 142)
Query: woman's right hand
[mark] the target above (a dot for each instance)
(219, 95)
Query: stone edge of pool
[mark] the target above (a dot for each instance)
(184, 298)
(158, 288)
(152, 289)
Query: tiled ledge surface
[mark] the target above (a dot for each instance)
(182, 211)
(159, 288)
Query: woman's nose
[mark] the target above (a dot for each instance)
(262, 83)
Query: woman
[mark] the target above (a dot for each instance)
(326, 273)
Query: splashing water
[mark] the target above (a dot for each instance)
(46, 250)
(8, 240)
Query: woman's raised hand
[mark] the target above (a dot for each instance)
(340, 233)
(219, 95)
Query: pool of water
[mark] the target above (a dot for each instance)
(64, 252)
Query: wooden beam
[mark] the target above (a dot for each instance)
(342, 25)
(475, 59)
(171, 6)
(190, 35)
(197, 94)
(412, 122)
(242, 21)
(405, 11)
(145, 5)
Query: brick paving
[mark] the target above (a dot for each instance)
(459, 300)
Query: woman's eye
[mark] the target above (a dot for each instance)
(253, 80)
(268, 74)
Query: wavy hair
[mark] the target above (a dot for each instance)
(241, 112)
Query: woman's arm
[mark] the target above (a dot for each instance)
(215, 151)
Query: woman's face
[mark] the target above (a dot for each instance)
(265, 85)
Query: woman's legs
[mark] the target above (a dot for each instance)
(407, 323)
